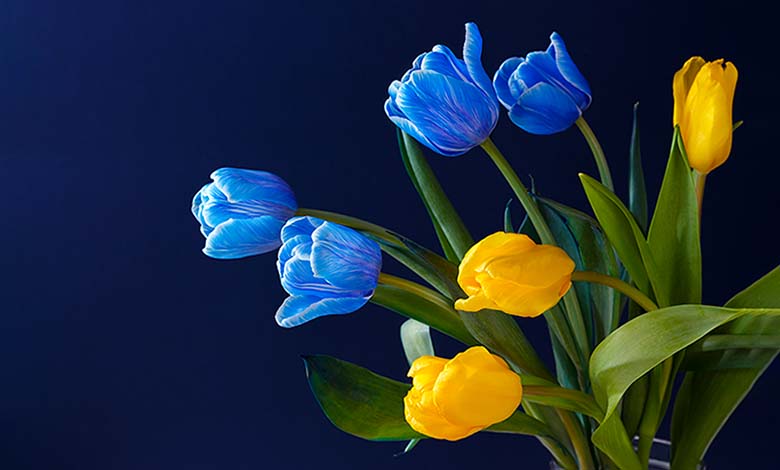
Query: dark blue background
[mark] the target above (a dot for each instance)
(123, 347)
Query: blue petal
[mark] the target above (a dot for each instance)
(472, 56)
(297, 310)
(199, 202)
(296, 247)
(298, 279)
(501, 81)
(568, 68)
(441, 59)
(345, 258)
(300, 226)
(399, 119)
(453, 115)
(544, 109)
(251, 185)
(238, 238)
(545, 65)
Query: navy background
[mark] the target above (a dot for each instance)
(123, 347)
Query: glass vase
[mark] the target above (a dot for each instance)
(660, 457)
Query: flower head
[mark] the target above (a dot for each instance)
(327, 269)
(446, 103)
(544, 92)
(511, 273)
(703, 98)
(453, 399)
(242, 212)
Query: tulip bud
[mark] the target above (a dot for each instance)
(327, 269)
(703, 99)
(446, 103)
(544, 92)
(453, 399)
(242, 212)
(511, 273)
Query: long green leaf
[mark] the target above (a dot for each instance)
(625, 235)
(674, 231)
(416, 340)
(456, 236)
(637, 191)
(435, 314)
(367, 405)
(635, 349)
(696, 421)
(563, 398)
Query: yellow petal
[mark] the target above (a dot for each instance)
(424, 371)
(681, 84)
(423, 416)
(525, 301)
(475, 303)
(497, 244)
(475, 389)
(540, 266)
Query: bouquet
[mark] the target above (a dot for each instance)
(620, 291)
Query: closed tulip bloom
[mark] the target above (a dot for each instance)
(544, 92)
(703, 98)
(453, 399)
(446, 103)
(241, 213)
(327, 269)
(511, 273)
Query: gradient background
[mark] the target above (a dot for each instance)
(123, 347)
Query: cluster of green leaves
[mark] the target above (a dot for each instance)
(624, 386)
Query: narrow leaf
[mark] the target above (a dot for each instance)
(637, 192)
(416, 340)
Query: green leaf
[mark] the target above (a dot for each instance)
(674, 231)
(636, 348)
(637, 192)
(358, 401)
(508, 226)
(437, 315)
(696, 422)
(453, 233)
(416, 340)
(625, 236)
(367, 405)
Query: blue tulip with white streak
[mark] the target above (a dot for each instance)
(327, 269)
(446, 103)
(241, 213)
(544, 92)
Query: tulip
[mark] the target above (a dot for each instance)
(446, 103)
(453, 399)
(327, 269)
(242, 212)
(703, 98)
(544, 92)
(511, 273)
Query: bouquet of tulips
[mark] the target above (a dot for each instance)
(620, 292)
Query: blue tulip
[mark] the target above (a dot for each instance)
(242, 212)
(327, 269)
(447, 104)
(545, 92)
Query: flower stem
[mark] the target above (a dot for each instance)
(574, 313)
(418, 290)
(623, 287)
(598, 152)
(349, 221)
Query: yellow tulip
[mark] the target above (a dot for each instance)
(703, 98)
(511, 273)
(453, 399)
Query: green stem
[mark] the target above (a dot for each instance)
(578, 440)
(701, 178)
(623, 287)
(598, 152)
(418, 290)
(570, 299)
(349, 221)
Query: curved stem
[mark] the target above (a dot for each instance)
(349, 221)
(598, 152)
(578, 440)
(418, 290)
(623, 287)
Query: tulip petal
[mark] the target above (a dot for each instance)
(475, 303)
(472, 56)
(442, 60)
(239, 184)
(296, 310)
(681, 84)
(238, 238)
(524, 301)
(501, 81)
(545, 65)
(544, 109)
(431, 100)
(398, 118)
(300, 226)
(568, 68)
